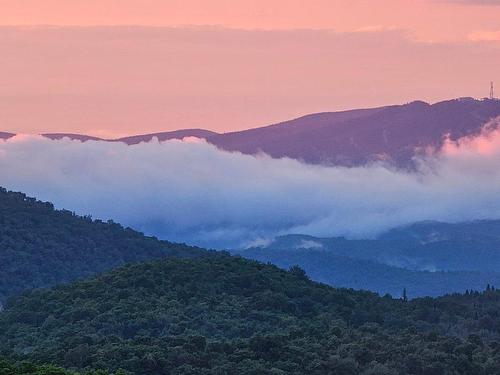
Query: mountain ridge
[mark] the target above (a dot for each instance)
(394, 133)
(429, 245)
(426, 258)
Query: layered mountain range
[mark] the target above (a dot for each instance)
(426, 258)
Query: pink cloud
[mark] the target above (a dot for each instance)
(487, 144)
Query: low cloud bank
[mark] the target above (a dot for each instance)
(192, 192)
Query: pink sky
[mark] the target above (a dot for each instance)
(227, 65)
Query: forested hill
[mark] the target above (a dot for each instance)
(227, 315)
(41, 246)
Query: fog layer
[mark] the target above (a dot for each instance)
(192, 192)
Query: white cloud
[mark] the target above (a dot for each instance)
(195, 193)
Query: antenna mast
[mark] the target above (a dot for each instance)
(492, 93)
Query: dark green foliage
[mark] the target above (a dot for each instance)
(29, 368)
(40, 246)
(227, 315)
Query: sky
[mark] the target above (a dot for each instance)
(119, 67)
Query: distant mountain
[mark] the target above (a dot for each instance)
(301, 138)
(343, 271)
(177, 134)
(41, 246)
(483, 231)
(394, 133)
(78, 137)
(4, 135)
(428, 258)
(132, 140)
(425, 246)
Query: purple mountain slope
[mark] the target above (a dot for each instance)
(4, 135)
(355, 137)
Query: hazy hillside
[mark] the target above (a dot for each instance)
(433, 246)
(428, 258)
(227, 315)
(40, 246)
(344, 271)
(481, 231)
